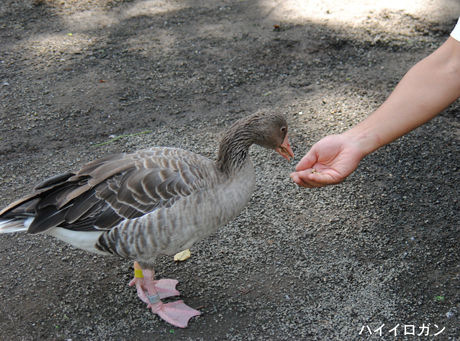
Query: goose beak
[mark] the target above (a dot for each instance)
(285, 149)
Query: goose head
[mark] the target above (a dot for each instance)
(266, 130)
(271, 131)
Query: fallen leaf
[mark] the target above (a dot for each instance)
(181, 256)
(439, 298)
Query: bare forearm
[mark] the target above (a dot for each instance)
(428, 88)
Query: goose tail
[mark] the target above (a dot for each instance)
(15, 225)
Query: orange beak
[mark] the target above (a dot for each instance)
(285, 149)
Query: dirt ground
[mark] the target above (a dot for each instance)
(80, 79)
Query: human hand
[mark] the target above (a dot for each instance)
(328, 162)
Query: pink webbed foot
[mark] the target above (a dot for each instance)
(175, 313)
(166, 287)
(151, 292)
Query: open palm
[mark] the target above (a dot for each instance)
(328, 162)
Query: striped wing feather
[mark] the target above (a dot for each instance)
(109, 190)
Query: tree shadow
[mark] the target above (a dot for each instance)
(371, 248)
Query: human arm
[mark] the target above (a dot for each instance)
(427, 88)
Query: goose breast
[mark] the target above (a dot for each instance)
(191, 218)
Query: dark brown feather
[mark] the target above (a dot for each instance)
(82, 206)
(54, 180)
(46, 218)
(106, 191)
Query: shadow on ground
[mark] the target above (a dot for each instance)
(381, 248)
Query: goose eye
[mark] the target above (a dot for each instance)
(283, 129)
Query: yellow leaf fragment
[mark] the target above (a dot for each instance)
(181, 256)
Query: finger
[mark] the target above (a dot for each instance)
(317, 179)
(307, 161)
(296, 179)
(314, 184)
(314, 178)
(133, 281)
(320, 178)
(302, 183)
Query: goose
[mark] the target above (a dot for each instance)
(151, 202)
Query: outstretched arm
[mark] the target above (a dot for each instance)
(428, 88)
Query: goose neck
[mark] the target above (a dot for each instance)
(233, 150)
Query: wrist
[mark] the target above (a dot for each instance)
(365, 142)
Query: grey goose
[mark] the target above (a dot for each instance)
(152, 202)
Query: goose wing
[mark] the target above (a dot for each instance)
(109, 190)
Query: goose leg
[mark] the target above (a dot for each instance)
(176, 313)
(164, 287)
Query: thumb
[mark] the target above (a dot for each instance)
(307, 161)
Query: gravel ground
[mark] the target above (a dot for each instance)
(83, 78)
